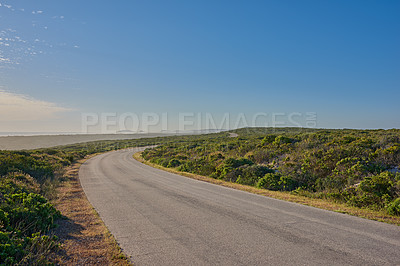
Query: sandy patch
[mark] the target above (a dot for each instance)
(46, 141)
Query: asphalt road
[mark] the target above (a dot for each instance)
(161, 218)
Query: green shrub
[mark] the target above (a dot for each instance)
(282, 140)
(276, 181)
(288, 184)
(234, 163)
(393, 208)
(251, 174)
(378, 185)
(29, 212)
(228, 169)
(30, 250)
(270, 181)
(23, 219)
(173, 163)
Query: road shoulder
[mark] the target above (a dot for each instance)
(85, 240)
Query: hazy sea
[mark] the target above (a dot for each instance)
(3, 134)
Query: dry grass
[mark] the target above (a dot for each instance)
(318, 203)
(84, 238)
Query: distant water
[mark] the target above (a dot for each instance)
(201, 131)
(2, 134)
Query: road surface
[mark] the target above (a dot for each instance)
(160, 218)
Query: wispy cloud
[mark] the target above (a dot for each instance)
(18, 107)
(16, 50)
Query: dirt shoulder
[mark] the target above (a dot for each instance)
(85, 240)
(314, 202)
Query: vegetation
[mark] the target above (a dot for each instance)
(356, 167)
(27, 181)
(25, 215)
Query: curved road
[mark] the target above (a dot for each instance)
(160, 218)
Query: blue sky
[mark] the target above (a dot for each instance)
(338, 59)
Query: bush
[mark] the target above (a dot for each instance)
(268, 139)
(270, 181)
(393, 208)
(251, 174)
(363, 200)
(288, 184)
(275, 181)
(282, 140)
(187, 167)
(378, 185)
(30, 212)
(24, 217)
(173, 163)
(31, 250)
(229, 168)
(234, 163)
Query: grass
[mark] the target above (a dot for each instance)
(318, 203)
